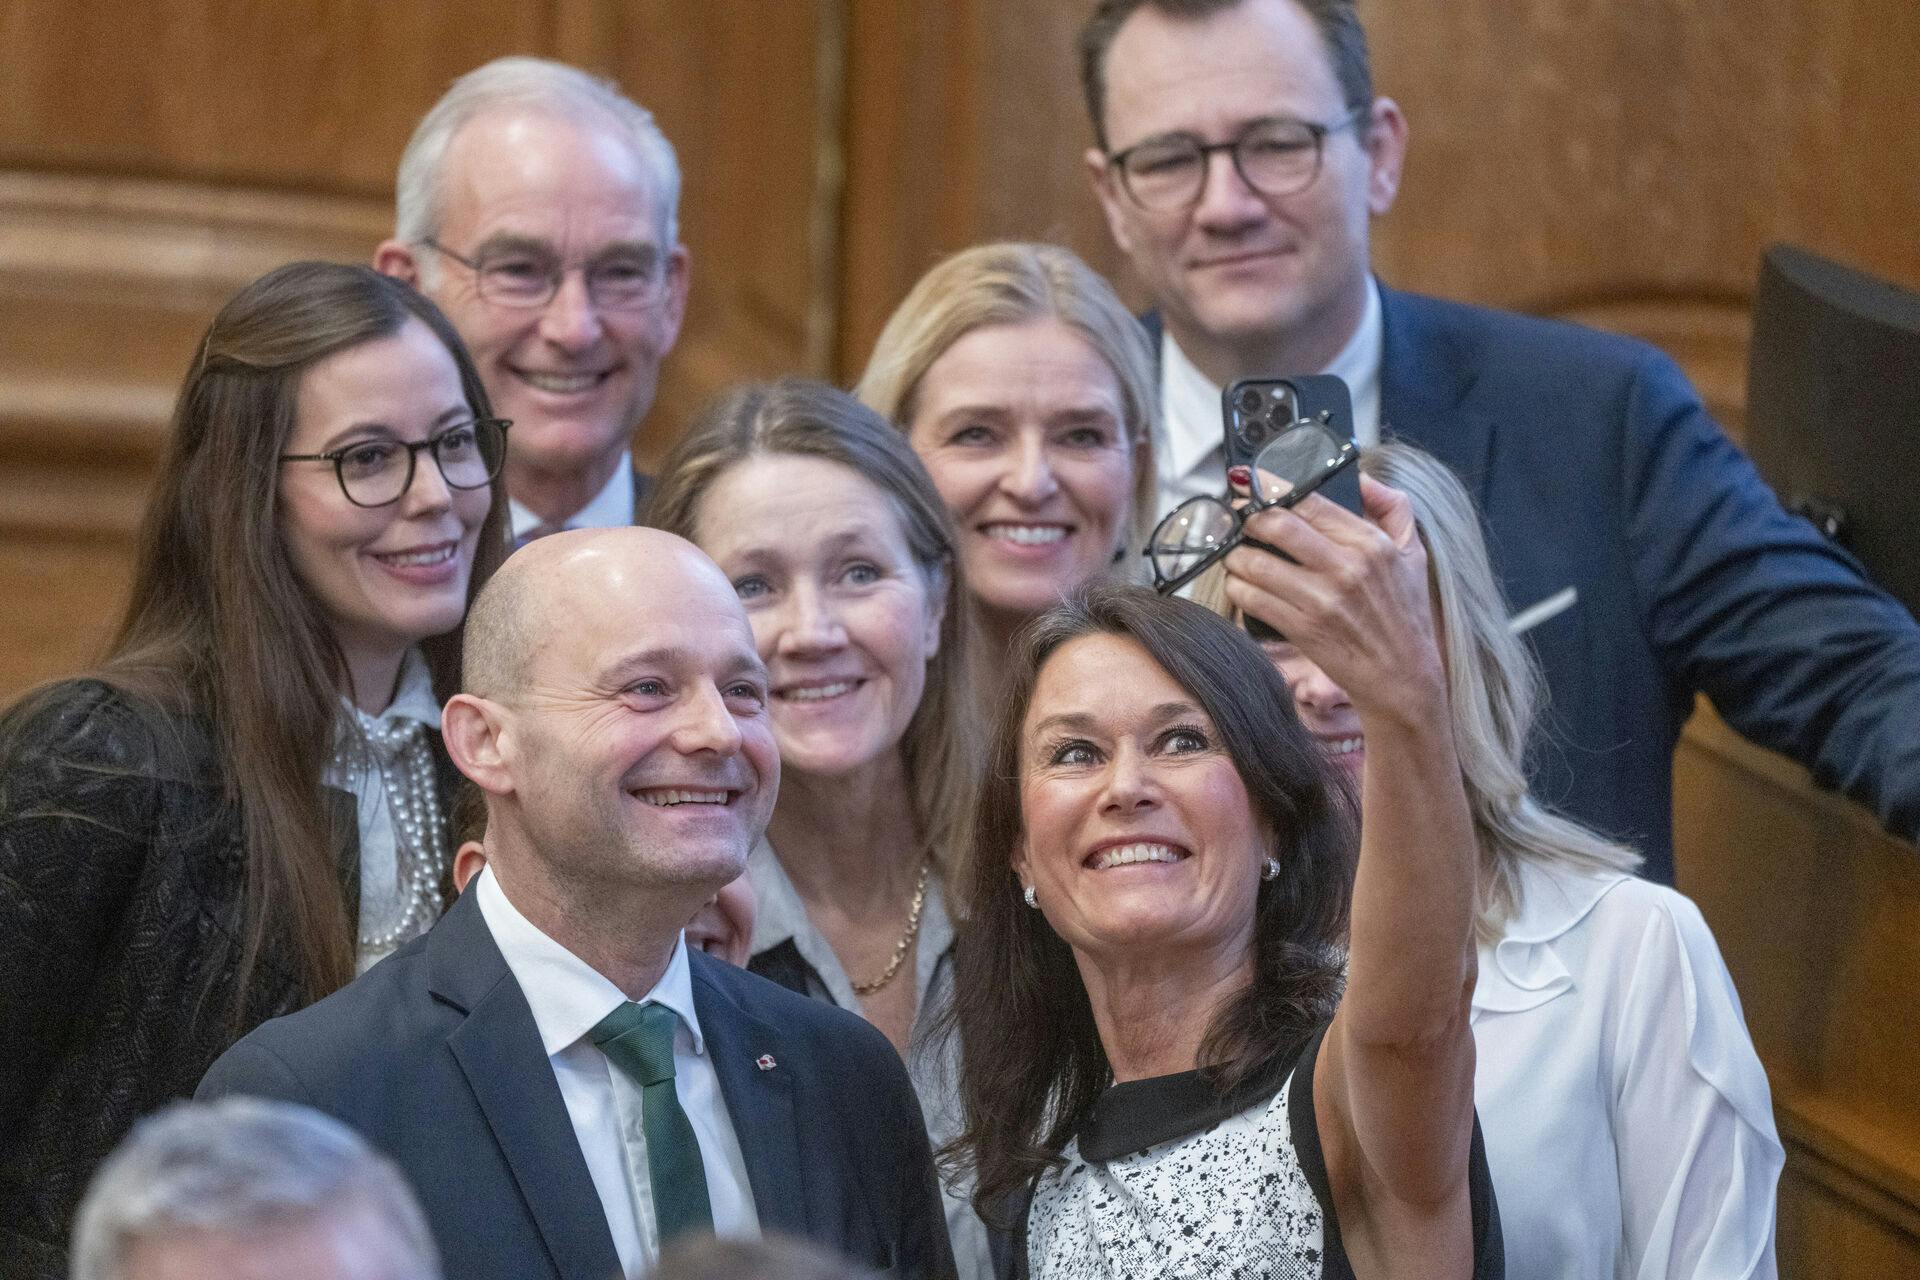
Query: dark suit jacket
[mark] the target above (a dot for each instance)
(122, 918)
(434, 1056)
(1595, 466)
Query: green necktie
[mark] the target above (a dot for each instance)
(638, 1039)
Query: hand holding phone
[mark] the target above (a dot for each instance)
(1257, 411)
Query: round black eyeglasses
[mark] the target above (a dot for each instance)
(376, 473)
(1201, 530)
(1275, 157)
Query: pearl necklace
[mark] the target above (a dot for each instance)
(906, 939)
(398, 750)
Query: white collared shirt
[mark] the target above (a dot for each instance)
(568, 998)
(611, 508)
(1189, 456)
(380, 887)
(1627, 1120)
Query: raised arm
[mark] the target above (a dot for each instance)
(1394, 1086)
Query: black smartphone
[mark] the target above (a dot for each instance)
(1255, 410)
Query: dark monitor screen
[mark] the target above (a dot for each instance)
(1833, 407)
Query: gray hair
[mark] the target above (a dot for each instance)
(236, 1165)
(534, 84)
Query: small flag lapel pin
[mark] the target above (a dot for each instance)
(764, 1062)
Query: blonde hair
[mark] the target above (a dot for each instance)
(1493, 688)
(812, 420)
(1015, 283)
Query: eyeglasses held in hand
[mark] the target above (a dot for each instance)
(1201, 530)
(374, 473)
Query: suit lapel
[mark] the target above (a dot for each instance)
(1426, 394)
(498, 1049)
(759, 1100)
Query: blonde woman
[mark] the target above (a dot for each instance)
(1627, 1118)
(1028, 390)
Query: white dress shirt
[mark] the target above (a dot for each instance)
(611, 508)
(1628, 1125)
(568, 998)
(381, 892)
(1189, 456)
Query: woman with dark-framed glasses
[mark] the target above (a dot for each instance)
(246, 800)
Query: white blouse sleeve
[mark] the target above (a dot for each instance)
(1693, 1120)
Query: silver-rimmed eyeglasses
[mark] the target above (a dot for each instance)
(377, 472)
(528, 275)
(1201, 530)
(1277, 156)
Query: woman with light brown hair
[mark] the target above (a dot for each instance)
(1028, 390)
(246, 800)
(843, 556)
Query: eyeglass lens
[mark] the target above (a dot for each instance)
(1193, 533)
(1199, 530)
(377, 472)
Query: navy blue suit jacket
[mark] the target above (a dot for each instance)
(1595, 466)
(433, 1056)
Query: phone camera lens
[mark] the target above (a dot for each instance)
(1249, 400)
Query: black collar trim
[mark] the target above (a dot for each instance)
(1139, 1114)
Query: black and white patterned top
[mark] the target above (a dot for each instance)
(1229, 1203)
(1170, 1178)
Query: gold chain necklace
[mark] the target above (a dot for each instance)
(906, 939)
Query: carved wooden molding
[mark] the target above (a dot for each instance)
(105, 285)
(185, 242)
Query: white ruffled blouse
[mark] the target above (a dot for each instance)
(1618, 1090)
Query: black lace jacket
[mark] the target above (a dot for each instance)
(122, 899)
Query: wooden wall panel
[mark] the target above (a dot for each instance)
(1565, 151)
(748, 93)
(966, 126)
(311, 96)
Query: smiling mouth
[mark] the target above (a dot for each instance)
(1342, 746)
(817, 692)
(562, 384)
(1239, 259)
(669, 797)
(1027, 535)
(1121, 855)
(418, 559)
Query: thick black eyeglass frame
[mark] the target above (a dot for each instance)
(656, 287)
(1349, 454)
(338, 458)
(1320, 133)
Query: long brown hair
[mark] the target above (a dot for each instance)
(1032, 1064)
(812, 420)
(219, 627)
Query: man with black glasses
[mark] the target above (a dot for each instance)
(538, 207)
(1240, 156)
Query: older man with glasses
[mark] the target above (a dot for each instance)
(1241, 156)
(538, 207)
